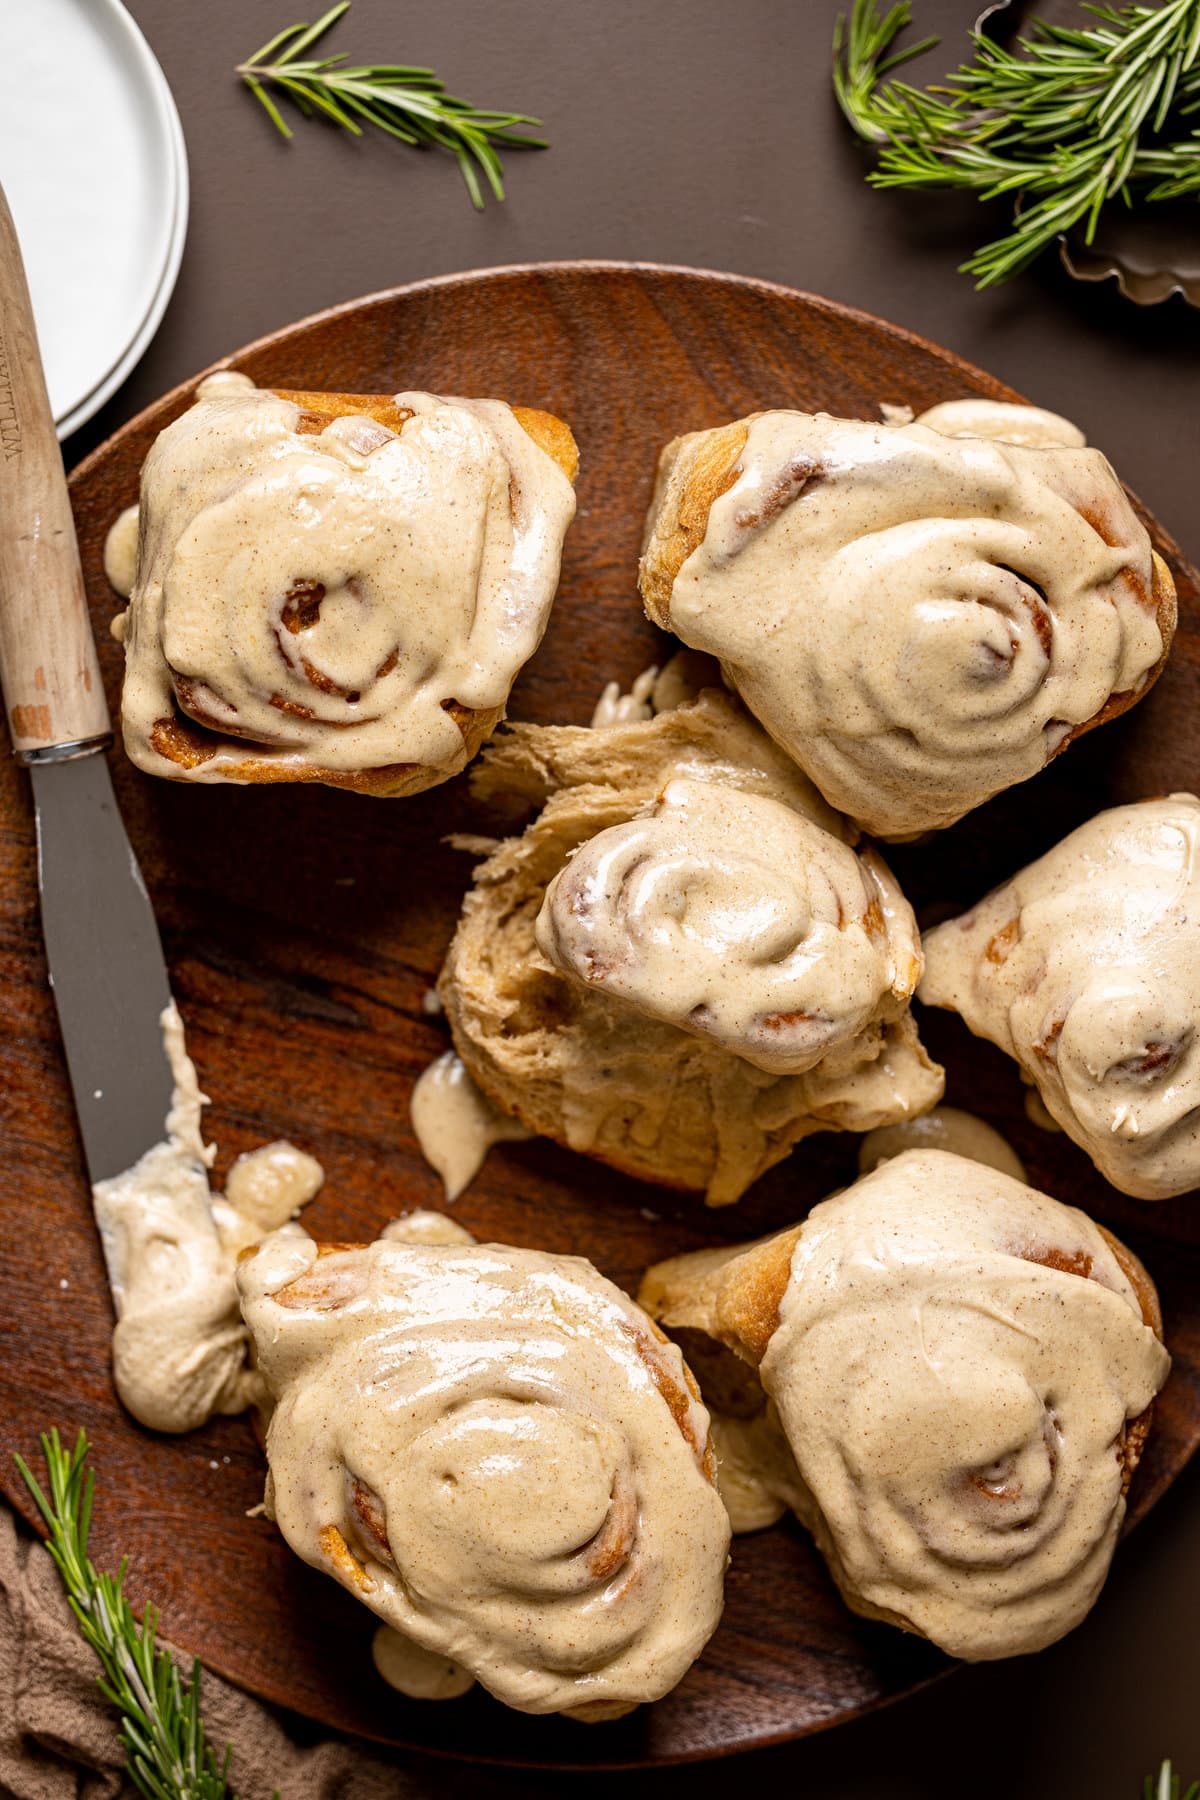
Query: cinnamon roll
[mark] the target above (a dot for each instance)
(498, 1453)
(1085, 967)
(919, 619)
(681, 966)
(338, 588)
(949, 1377)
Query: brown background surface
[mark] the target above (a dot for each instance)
(702, 132)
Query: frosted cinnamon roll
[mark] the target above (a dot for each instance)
(1085, 967)
(338, 588)
(681, 966)
(499, 1454)
(733, 916)
(919, 619)
(949, 1377)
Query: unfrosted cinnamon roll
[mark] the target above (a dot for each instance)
(498, 1453)
(1085, 967)
(680, 966)
(338, 588)
(920, 619)
(954, 1382)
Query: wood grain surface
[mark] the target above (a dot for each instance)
(303, 927)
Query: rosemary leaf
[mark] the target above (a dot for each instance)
(404, 102)
(1067, 120)
(161, 1733)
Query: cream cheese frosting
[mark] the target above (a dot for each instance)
(456, 1124)
(329, 598)
(919, 619)
(496, 1453)
(733, 916)
(955, 1362)
(1085, 967)
(945, 1128)
(170, 1245)
(1005, 420)
(604, 1075)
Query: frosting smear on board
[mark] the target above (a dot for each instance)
(456, 1124)
(171, 1245)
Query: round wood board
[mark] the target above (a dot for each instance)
(302, 928)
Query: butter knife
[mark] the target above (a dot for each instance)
(102, 944)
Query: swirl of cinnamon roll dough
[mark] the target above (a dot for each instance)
(732, 916)
(338, 588)
(1085, 967)
(614, 1075)
(956, 1380)
(919, 619)
(498, 1453)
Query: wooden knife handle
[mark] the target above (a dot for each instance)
(53, 694)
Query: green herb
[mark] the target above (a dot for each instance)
(1068, 119)
(407, 103)
(1165, 1786)
(161, 1732)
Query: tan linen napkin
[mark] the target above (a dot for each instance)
(58, 1735)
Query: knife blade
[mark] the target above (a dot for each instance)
(105, 957)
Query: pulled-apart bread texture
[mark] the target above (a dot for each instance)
(919, 618)
(498, 1453)
(1085, 967)
(680, 966)
(948, 1376)
(338, 588)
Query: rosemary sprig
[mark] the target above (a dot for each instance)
(1068, 119)
(162, 1735)
(1165, 1786)
(407, 103)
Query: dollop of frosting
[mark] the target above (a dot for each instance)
(919, 619)
(494, 1450)
(336, 594)
(120, 552)
(732, 916)
(456, 1124)
(945, 1128)
(1085, 967)
(170, 1245)
(1005, 420)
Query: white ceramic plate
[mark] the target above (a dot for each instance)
(93, 162)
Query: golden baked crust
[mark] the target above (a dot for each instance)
(190, 738)
(551, 434)
(693, 472)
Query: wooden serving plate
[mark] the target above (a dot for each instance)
(302, 928)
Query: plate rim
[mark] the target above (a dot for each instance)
(977, 378)
(586, 265)
(169, 128)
